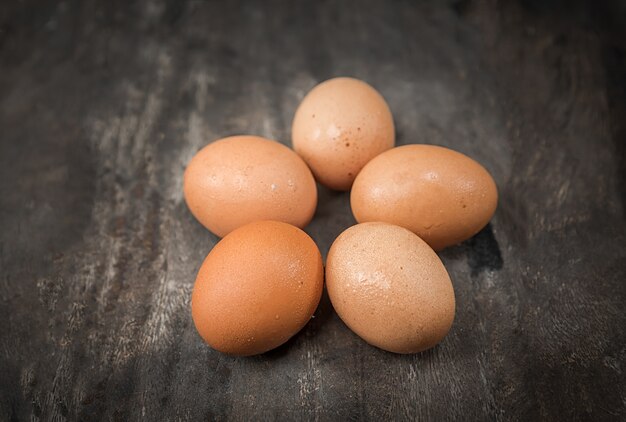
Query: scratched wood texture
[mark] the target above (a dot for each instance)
(102, 103)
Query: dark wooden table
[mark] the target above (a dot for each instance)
(102, 104)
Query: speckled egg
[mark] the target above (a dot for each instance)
(390, 287)
(340, 125)
(439, 194)
(257, 288)
(240, 179)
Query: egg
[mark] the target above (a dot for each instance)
(340, 125)
(390, 288)
(240, 179)
(439, 194)
(257, 288)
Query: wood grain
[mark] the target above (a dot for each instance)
(102, 104)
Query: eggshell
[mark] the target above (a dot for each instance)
(441, 195)
(257, 288)
(340, 125)
(240, 179)
(390, 287)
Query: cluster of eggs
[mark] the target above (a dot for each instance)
(263, 281)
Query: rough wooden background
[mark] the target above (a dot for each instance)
(102, 103)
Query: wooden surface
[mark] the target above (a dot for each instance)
(103, 103)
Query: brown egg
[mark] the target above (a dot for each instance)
(390, 287)
(341, 125)
(257, 288)
(439, 194)
(240, 179)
